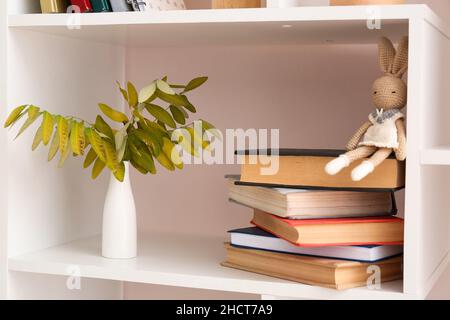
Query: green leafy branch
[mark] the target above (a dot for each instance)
(142, 141)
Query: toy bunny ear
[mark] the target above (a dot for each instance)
(386, 54)
(401, 59)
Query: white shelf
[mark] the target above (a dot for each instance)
(436, 156)
(312, 25)
(183, 261)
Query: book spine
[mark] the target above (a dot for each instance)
(308, 245)
(101, 5)
(83, 5)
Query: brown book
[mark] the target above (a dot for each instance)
(329, 273)
(306, 169)
(312, 204)
(333, 232)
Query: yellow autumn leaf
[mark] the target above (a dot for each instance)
(77, 138)
(37, 139)
(112, 113)
(132, 95)
(171, 152)
(64, 156)
(54, 146)
(120, 173)
(74, 139)
(97, 143)
(14, 116)
(33, 115)
(47, 127)
(165, 161)
(81, 138)
(63, 131)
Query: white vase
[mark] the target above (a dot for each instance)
(119, 239)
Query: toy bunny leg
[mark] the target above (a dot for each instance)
(335, 166)
(367, 167)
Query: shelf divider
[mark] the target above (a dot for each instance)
(436, 156)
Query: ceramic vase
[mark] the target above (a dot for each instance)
(119, 238)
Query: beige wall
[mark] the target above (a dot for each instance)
(254, 87)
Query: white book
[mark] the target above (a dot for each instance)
(255, 238)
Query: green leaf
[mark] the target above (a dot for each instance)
(177, 86)
(103, 127)
(132, 95)
(54, 147)
(123, 91)
(151, 129)
(47, 127)
(149, 139)
(142, 157)
(90, 158)
(111, 156)
(161, 115)
(99, 165)
(195, 83)
(112, 113)
(178, 114)
(189, 106)
(33, 115)
(165, 161)
(15, 115)
(37, 139)
(156, 127)
(164, 87)
(175, 99)
(147, 93)
(64, 132)
(120, 173)
(138, 167)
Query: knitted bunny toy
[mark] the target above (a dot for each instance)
(385, 130)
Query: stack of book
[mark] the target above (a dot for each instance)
(314, 228)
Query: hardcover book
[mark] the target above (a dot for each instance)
(333, 232)
(312, 204)
(329, 273)
(255, 238)
(305, 169)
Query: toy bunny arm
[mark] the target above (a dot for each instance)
(353, 143)
(400, 153)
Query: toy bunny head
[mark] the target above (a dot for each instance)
(390, 91)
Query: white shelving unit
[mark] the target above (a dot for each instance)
(436, 156)
(196, 265)
(56, 228)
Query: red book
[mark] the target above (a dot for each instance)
(84, 5)
(333, 232)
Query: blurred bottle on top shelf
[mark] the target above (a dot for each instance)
(138, 5)
(120, 5)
